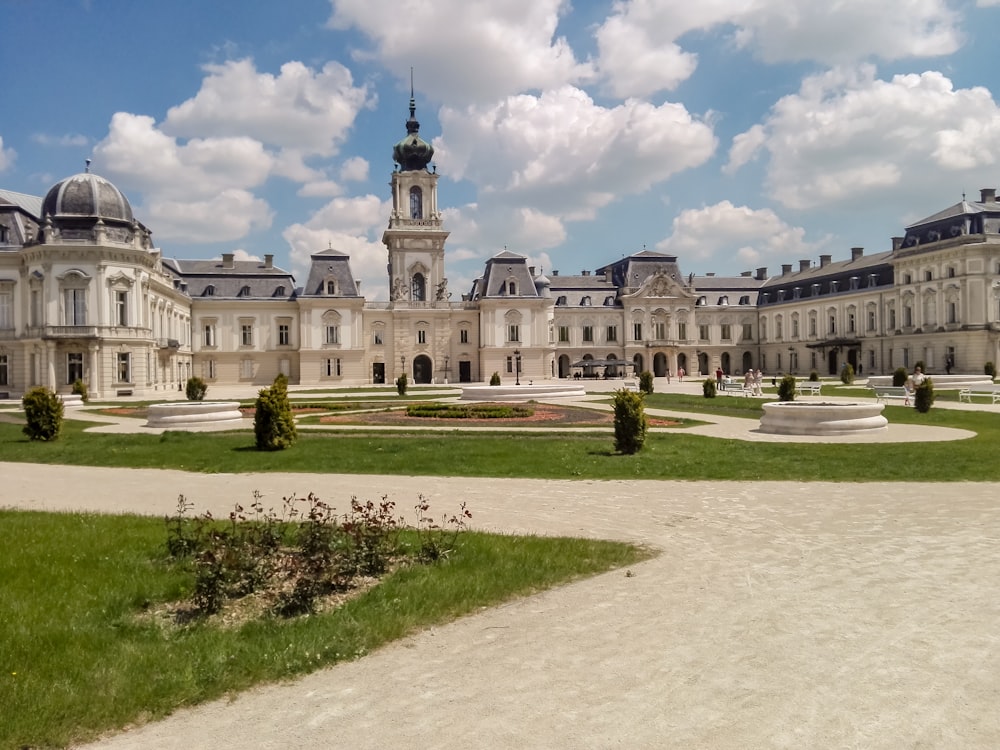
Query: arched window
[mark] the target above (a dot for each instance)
(561, 299)
(585, 301)
(279, 291)
(416, 203)
(331, 286)
(418, 288)
(209, 291)
(244, 291)
(511, 288)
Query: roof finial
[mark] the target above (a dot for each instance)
(413, 101)
(87, 168)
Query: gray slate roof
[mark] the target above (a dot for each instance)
(246, 278)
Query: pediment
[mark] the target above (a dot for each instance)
(662, 285)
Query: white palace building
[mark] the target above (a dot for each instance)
(85, 295)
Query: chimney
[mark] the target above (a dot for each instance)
(824, 260)
(804, 264)
(268, 261)
(987, 195)
(857, 252)
(761, 273)
(745, 274)
(555, 273)
(531, 271)
(585, 273)
(710, 274)
(786, 268)
(227, 260)
(897, 242)
(357, 285)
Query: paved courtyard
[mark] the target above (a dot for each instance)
(778, 615)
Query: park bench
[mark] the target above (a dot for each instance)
(811, 386)
(885, 392)
(735, 387)
(987, 391)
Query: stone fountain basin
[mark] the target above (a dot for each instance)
(190, 413)
(801, 418)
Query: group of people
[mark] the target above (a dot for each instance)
(752, 381)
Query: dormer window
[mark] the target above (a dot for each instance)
(816, 290)
(331, 287)
(855, 282)
(279, 291)
(609, 301)
(561, 300)
(244, 291)
(797, 293)
(833, 286)
(702, 301)
(585, 301)
(723, 300)
(511, 288)
(745, 299)
(209, 291)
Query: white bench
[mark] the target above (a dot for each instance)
(987, 391)
(735, 387)
(812, 386)
(885, 392)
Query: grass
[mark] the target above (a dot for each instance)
(674, 455)
(78, 660)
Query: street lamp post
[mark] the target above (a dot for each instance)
(446, 371)
(517, 367)
(402, 363)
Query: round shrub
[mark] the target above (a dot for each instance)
(80, 389)
(631, 424)
(786, 388)
(646, 381)
(899, 376)
(495, 378)
(847, 374)
(196, 389)
(923, 396)
(708, 388)
(43, 414)
(813, 376)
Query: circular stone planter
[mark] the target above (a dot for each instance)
(522, 392)
(193, 413)
(799, 418)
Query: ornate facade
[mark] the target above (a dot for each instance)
(84, 295)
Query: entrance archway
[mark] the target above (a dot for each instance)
(564, 368)
(727, 364)
(422, 369)
(660, 365)
(747, 361)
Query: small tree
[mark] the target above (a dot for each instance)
(495, 378)
(990, 369)
(847, 374)
(196, 389)
(630, 422)
(273, 423)
(43, 414)
(923, 396)
(402, 383)
(645, 382)
(786, 388)
(813, 376)
(899, 376)
(708, 388)
(80, 389)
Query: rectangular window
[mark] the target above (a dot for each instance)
(6, 310)
(727, 332)
(246, 369)
(332, 335)
(892, 318)
(851, 324)
(682, 331)
(4, 370)
(833, 324)
(121, 308)
(952, 312)
(637, 331)
(36, 307)
(463, 336)
(331, 367)
(124, 367)
(208, 369)
(703, 332)
(907, 316)
(612, 333)
(246, 335)
(748, 331)
(513, 332)
(421, 336)
(660, 331)
(588, 334)
(510, 364)
(871, 320)
(812, 327)
(76, 307)
(563, 334)
(74, 367)
(377, 338)
(795, 329)
(284, 334)
(209, 336)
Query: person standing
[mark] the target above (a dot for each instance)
(680, 374)
(718, 377)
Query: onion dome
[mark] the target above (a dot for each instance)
(86, 195)
(413, 152)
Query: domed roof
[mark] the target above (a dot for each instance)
(413, 152)
(86, 195)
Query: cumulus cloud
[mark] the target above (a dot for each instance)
(846, 135)
(565, 156)
(300, 108)
(640, 43)
(724, 231)
(230, 215)
(7, 156)
(467, 52)
(354, 169)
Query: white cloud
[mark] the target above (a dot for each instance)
(565, 156)
(354, 169)
(641, 53)
(352, 226)
(846, 136)
(70, 139)
(723, 230)
(230, 215)
(7, 156)
(467, 52)
(300, 108)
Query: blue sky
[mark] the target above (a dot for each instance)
(734, 134)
